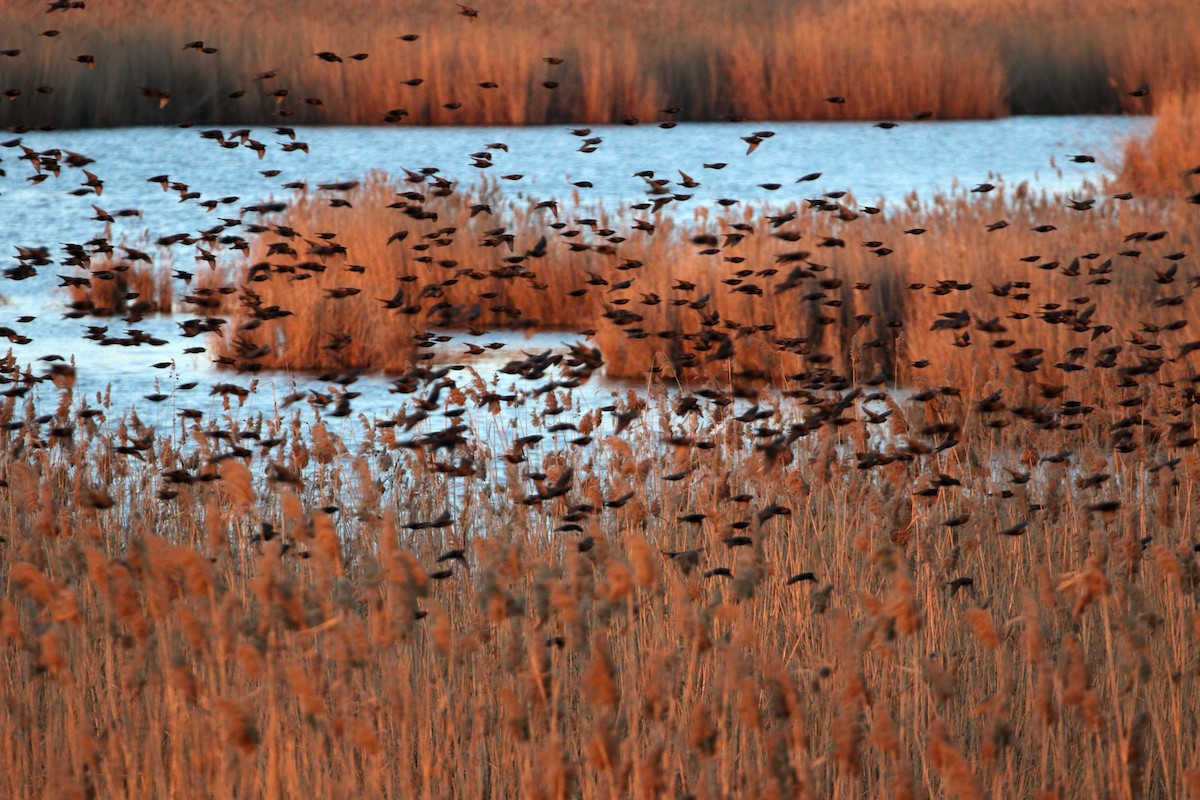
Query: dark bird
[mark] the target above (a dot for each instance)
(1016, 530)
(443, 520)
(686, 560)
(960, 583)
(162, 96)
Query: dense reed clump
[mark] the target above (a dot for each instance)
(768, 292)
(1168, 160)
(760, 60)
(117, 287)
(358, 298)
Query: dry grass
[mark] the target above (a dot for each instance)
(116, 287)
(157, 645)
(1168, 160)
(760, 60)
(687, 299)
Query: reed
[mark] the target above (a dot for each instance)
(760, 60)
(1168, 160)
(903, 504)
(201, 622)
(116, 287)
(770, 292)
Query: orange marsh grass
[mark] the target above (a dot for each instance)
(1168, 160)
(118, 287)
(761, 60)
(179, 617)
(156, 647)
(677, 295)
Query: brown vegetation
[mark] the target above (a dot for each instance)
(1012, 615)
(118, 287)
(620, 60)
(1168, 160)
(749, 290)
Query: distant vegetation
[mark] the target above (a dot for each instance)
(620, 60)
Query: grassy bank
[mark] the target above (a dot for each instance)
(711, 59)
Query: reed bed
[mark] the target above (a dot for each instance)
(328, 615)
(1168, 160)
(117, 287)
(963, 282)
(758, 60)
(771, 574)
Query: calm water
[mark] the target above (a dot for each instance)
(878, 166)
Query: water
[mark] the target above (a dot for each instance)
(878, 166)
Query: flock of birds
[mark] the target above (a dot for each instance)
(831, 400)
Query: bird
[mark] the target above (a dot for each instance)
(162, 96)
